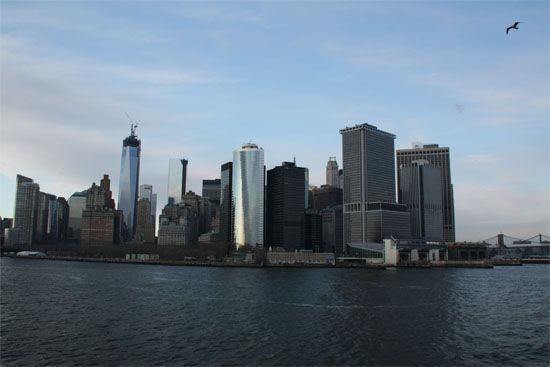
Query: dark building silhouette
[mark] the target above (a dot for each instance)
(332, 229)
(46, 218)
(5, 225)
(285, 204)
(62, 220)
(313, 231)
(226, 209)
(326, 196)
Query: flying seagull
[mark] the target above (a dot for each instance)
(514, 26)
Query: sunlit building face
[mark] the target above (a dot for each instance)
(248, 195)
(129, 180)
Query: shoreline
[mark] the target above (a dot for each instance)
(480, 264)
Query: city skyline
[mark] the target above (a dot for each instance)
(460, 98)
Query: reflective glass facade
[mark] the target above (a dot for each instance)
(248, 195)
(129, 181)
(77, 203)
(177, 178)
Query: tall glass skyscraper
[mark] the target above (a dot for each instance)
(248, 195)
(177, 179)
(129, 180)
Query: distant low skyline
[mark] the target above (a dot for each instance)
(204, 78)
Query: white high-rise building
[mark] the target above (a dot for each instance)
(332, 172)
(248, 195)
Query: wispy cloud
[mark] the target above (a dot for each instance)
(62, 120)
(481, 159)
(215, 13)
(516, 213)
(162, 76)
(17, 55)
(77, 20)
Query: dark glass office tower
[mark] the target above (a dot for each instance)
(226, 209)
(285, 203)
(369, 176)
(211, 190)
(420, 191)
(437, 156)
(129, 180)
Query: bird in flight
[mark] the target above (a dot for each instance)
(514, 26)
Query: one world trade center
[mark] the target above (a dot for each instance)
(129, 180)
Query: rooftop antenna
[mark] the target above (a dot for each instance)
(294, 158)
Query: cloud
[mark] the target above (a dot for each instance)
(62, 120)
(482, 159)
(18, 56)
(215, 13)
(77, 20)
(485, 210)
(161, 76)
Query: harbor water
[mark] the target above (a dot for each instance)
(76, 313)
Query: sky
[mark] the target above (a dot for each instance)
(202, 78)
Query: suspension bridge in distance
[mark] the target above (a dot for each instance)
(502, 240)
(536, 247)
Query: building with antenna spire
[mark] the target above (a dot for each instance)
(129, 180)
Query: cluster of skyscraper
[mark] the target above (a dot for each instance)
(38, 217)
(248, 206)
(358, 205)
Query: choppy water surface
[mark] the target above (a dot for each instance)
(74, 313)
